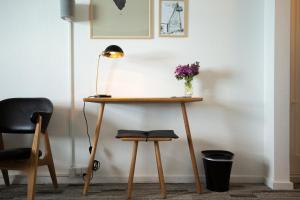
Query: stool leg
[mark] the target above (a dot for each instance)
(132, 167)
(160, 170)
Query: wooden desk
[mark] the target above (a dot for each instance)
(103, 101)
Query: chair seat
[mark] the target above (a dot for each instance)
(16, 154)
(146, 134)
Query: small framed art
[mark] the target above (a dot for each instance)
(173, 18)
(117, 19)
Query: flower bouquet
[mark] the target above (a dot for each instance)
(187, 73)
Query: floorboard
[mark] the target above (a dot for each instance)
(147, 192)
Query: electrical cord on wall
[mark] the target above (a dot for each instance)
(87, 128)
(96, 163)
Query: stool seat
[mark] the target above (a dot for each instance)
(146, 134)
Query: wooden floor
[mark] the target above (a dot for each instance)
(147, 192)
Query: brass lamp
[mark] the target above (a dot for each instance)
(112, 51)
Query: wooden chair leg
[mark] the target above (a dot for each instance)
(52, 173)
(50, 161)
(31, 176)
(132, 167)
(5, 176)
(4, 171)
(32, 165)
(160, 170)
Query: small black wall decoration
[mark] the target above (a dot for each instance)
(120, 3)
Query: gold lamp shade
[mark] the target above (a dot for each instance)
(113, 51)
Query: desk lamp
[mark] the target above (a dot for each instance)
(112, 51)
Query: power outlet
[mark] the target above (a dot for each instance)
(78, 171)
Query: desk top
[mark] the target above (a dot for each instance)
(143, 100)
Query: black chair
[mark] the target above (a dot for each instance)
(26, 116)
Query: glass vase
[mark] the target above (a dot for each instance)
(188, 88)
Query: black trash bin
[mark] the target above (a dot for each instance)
(217, 165)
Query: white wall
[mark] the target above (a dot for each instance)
(282, 94)
(269, 90)
(227, 37)
(33, 63)
(277, 93)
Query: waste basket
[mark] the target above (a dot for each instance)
(217, 165)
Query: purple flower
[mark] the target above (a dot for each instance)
(187, 72)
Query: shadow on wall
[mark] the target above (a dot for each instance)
(232, 115)
(224, 119)
(210, 80)
(111, 157)
(110, 148)
(81, 13)
(107, 134)
(58, 127)
(59, 139)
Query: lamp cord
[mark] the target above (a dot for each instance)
(96, 163)
(87, 127)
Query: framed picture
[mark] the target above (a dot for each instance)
(173, 18)
(117, 19)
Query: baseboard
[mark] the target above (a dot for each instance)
(279, 185)
(68, 179)
(246, 179)
(295, 178)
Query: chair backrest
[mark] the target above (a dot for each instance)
(17, 115)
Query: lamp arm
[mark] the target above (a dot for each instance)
(97, 75)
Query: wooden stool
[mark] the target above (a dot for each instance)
(155, 136)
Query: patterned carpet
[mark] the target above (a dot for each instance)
(147, 192)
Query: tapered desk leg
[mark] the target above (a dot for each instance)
(191, 147)
(132, 168)
(89, 172)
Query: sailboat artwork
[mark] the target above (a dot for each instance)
(172, 18)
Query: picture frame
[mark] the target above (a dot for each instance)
(173, 18)
(121, 19)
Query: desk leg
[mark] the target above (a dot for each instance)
(191, 147)
(89, 172)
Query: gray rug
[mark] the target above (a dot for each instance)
(147, 192)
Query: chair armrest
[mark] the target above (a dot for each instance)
(35, 116)
(36, 139)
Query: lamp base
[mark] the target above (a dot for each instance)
(102, 96)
